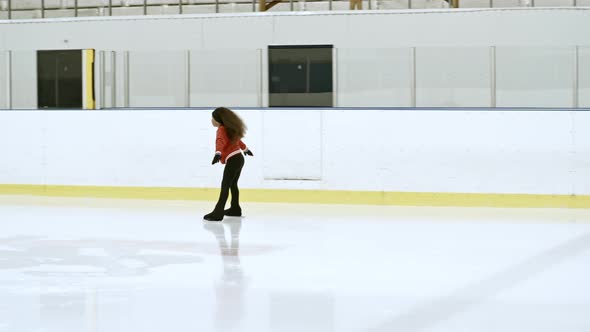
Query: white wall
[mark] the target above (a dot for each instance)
(535, 152)
(380, 29)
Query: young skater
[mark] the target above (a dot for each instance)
(228, 147)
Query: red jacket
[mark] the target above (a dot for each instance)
(225, 147)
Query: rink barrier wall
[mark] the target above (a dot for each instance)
(310, 196)
(444, 157)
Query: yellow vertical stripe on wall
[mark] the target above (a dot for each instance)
(88, 57)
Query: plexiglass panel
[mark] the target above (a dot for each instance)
(157, 79)
(584, 76)
(453, 77)
(3, 9)
(224, 77)
(26, 9)
(24, 80)
(535, 76)
(374, 77)
(3, 80)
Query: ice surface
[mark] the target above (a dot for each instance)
(124, 265)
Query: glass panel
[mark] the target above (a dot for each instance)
(554, 3)
(427, 4)
(92, 7)
(3, 9)
(453, 77)
(163, 7)
(534, 76)
(584, 76)
(59, 8)
(300, 76)
(285, 6)
(312, 6)
(26, 9)
(127, 7)
(198, 9)
(474, 3)
(56, 13)
(24, 80)
(238, 6)
(392, 4)
(3, 80)
(108, 78)
(510, 3)
(225, 77)
(374, 77)
(59, 79)
(157, 79)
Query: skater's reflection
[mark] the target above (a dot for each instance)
(230, 289)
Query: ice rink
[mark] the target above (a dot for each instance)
(125, 265)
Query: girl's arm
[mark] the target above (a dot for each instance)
(245, 149)
(220, 140)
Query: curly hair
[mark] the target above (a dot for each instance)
(234, 125)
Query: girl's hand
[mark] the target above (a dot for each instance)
(216, 159)
(248, 152)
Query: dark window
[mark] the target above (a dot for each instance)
(300, 76)
(59, 79)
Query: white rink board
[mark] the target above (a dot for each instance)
(498, 151)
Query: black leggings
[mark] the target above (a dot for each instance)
(231, 175)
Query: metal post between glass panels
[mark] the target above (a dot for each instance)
(330, 4)
(102, 79)
(126, 79)
(9, 80)
(76, 8)
(110, 7)
(259, 77)
(9, 9)
(493, 89)
(576, 87)
(180, 6)
(42, 8)
(217, 6)
(413, 80)
(187, 78)
(335, 77)
(291, 5)
(144, 7)
(113, 79)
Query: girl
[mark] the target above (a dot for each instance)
(228, 147)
